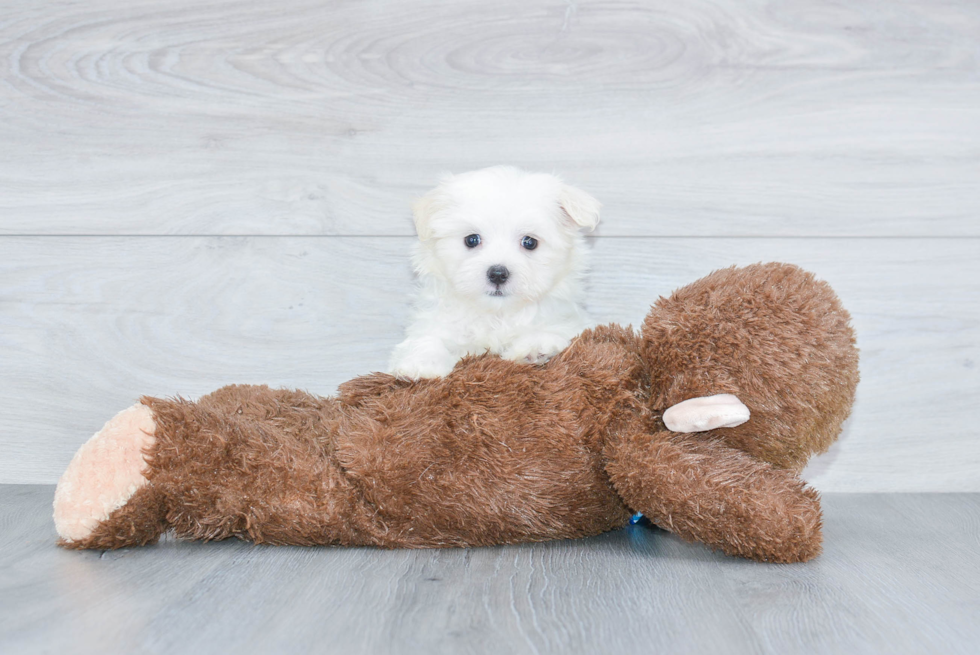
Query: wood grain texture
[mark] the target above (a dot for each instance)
(899, 575)
(298, 117)
(89, 324)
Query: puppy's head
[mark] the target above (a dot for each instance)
(503, 237)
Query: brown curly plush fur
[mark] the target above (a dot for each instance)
(772, 335)
(500, 452)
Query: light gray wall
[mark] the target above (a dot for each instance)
(193, 195)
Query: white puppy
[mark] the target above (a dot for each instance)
(500, 260)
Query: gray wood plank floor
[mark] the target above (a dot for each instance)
(900, 574)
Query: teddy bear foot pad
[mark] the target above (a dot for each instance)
(104, 474)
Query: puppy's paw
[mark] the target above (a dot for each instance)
(535, 348)
(417, 359)
(420, 369)
(707, 413)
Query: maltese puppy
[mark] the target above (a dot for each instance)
(500, 259)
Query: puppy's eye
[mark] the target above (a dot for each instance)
(471, 240)
(529, 243)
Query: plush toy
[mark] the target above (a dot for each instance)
(502, 452)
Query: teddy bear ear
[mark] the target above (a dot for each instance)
(428, 206)
(579, 206)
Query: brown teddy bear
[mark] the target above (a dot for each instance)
(502, 452)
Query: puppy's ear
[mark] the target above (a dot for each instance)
(579, 206)
(426, 207)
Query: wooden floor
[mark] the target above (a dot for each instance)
(899, 574)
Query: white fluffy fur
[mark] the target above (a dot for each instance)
(536, 312)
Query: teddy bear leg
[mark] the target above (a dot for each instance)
(703, 490)
(96, 498)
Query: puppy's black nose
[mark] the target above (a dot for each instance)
(498, 274)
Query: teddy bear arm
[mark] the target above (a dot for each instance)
(705, 491)
(355, 392)
(609, 355)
